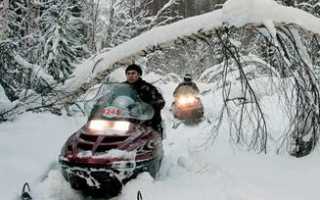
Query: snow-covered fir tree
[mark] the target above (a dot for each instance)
(122, 20)
(18, 75)
(63, 34)
(17, 21)
(311, 6)
(9, 70)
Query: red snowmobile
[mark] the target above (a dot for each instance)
(114, 146)
(187, 105)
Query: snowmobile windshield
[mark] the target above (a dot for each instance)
(120, 101)
(186, 89)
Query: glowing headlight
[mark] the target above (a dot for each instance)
(185, 100)
(121, 125)
(97, 125)
(105, 125)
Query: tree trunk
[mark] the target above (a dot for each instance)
(4, 7)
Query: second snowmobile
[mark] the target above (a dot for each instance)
(188, 109)
(187, 106)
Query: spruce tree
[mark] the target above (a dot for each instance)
(9, 70)
(62, 38)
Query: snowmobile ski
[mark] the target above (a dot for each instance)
(139, 195)
(25, 194)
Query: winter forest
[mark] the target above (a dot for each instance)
(41, 42)
(256, 62)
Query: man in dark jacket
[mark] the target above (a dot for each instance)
(186, 87)
(147, 93)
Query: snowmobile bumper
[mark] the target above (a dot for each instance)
(106, 181)
(188, 113)
(97, 182)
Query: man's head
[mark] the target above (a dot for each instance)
(187, 78)
(133, 73)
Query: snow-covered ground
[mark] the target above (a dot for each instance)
(193, 168)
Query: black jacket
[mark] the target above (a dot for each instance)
(149, 94)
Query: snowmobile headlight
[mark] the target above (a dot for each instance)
(109, 127)
(97, 125)
(186, 100)
(121, 125)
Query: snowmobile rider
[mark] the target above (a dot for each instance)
(147, 93)
(187, 86)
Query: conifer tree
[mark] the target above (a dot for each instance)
(311, 6)
(8, 68)
(63, 38)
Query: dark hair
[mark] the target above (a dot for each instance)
(134, 67)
